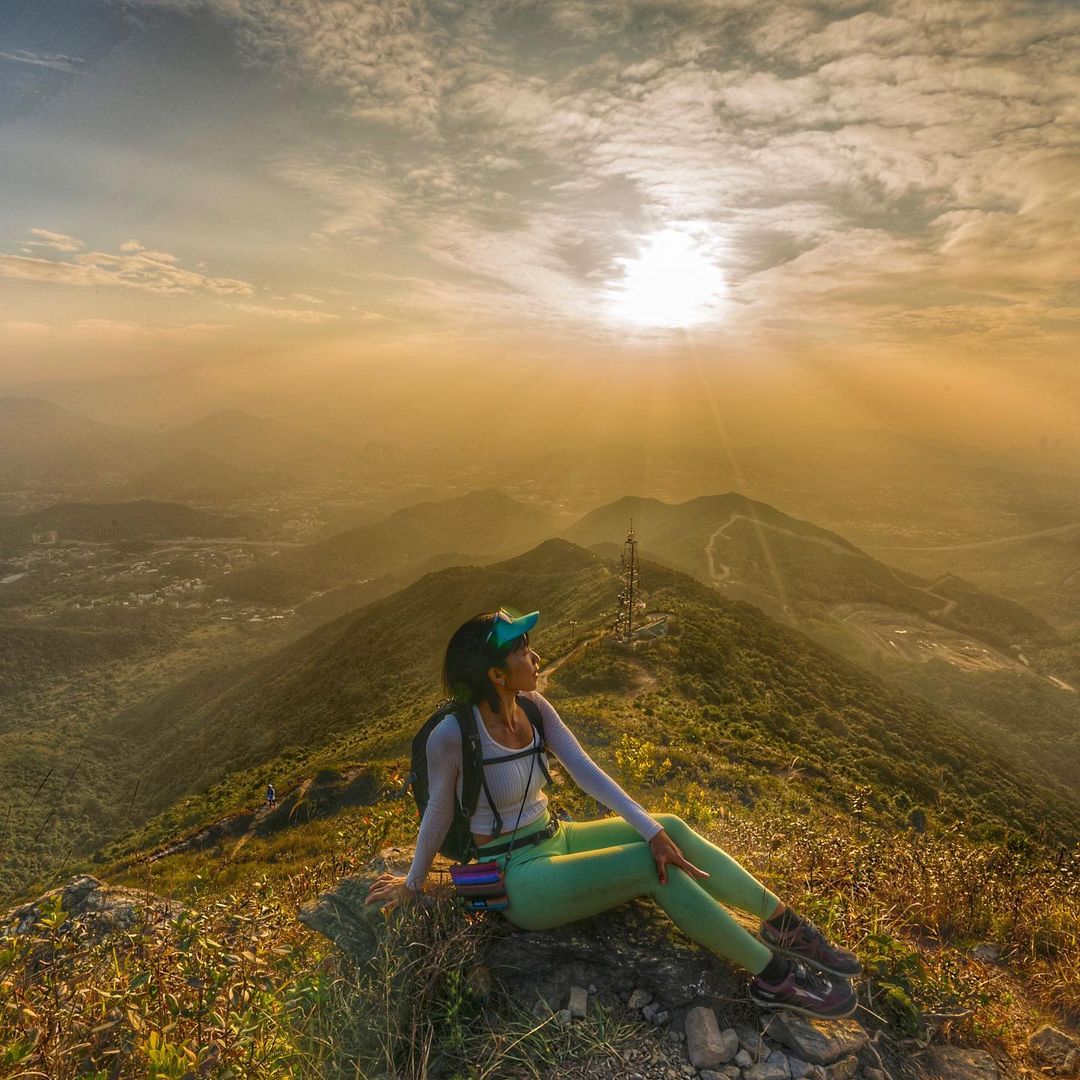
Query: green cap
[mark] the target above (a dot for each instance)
(506, 628)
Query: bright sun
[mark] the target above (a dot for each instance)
(672, 283)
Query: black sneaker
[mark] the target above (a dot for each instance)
(803, 991)
(806, 942)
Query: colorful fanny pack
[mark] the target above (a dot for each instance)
(480, 886)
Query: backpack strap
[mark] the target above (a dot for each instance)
(472, 756)
(536, 717)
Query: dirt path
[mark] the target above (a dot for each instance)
(724, 571)
(547, 672)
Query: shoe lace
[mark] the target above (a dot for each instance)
(810, 980)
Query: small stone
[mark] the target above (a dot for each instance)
(1051, 1047)
(749, 1039)
(711, 1074)
(689, 1070)
(987, 952)
(564, 1018)
(731, 1072)
(799, 1068)
(844, 1069)
(704, 1045)
(730, 1040)
(959, 1063)
(639, 999)
(744, 1059)
(592, 988)
(578, 1005)
(766, 1070)
(778, 1059)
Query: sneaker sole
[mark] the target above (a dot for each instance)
(780, 1005)
(815, 964)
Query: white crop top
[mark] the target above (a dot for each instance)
(508, 782)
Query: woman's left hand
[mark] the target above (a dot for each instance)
(389, 890)
(665, 851)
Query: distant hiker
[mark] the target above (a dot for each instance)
(271, 797)
(555, 872)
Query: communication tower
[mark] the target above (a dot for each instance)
(631, 603)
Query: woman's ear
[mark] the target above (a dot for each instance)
(497, 676)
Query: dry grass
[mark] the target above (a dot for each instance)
(238, 987)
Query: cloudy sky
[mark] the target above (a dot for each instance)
(847, 186)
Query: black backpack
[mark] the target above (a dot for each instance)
(458, 844)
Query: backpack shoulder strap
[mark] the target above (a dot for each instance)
(536, 718)
(472, 757)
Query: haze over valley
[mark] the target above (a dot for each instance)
(740, 339)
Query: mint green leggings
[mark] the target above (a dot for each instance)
(590, 866)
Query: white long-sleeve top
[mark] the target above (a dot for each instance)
(509, 783)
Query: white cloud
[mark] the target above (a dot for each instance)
(54, 240)
(56, 61)
(151, 271)
(291, 314)
(852, 160)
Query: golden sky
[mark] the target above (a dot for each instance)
(883, 194)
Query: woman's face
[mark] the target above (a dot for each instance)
(522, 667)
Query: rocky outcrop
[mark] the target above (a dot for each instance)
(638, 961)
(96, 907)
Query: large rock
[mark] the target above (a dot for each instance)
(634, 939)
(343, 917)
(819, 1042)
(959, 1063)
(1053, 1048)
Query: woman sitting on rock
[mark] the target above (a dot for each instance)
(561, 871)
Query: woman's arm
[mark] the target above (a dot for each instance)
(587, 774)
(444, 764)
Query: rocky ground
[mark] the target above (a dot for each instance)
(693, 1017)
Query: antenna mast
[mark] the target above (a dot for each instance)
(629, 595)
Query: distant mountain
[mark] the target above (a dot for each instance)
(797, 570)
(143, 519)
(482, 524)
(42, 441)
(251, 442)
(145, 402)
(198, 477)
(729, 680)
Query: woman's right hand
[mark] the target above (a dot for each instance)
(389, 890)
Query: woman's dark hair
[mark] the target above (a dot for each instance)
(469, 655)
